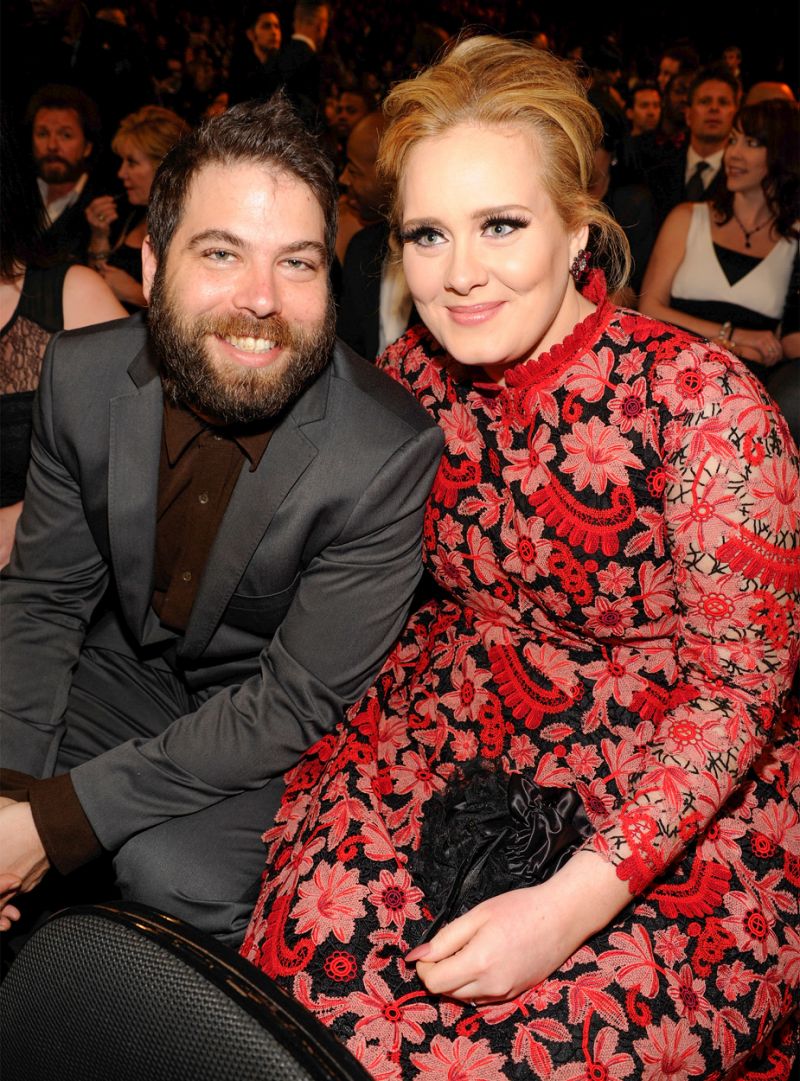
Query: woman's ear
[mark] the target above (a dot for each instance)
(578, 241)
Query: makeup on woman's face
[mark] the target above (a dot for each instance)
(137, 171)
(745, 161)
(485, 253)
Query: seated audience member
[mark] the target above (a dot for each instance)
(375, 303)
(729, 269)
(558, 837)
(675, 60)
(37, 298)
(254, 66)
(695, 173)
(142, 141)
(732, 59)
(220, 539)
(644, 109)
(65, 132)
(353, 105)
(672, 130)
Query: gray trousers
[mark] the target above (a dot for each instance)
(204, 867)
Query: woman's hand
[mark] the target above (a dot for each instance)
(759, 346)
(508, 944)
(124, 287)
(100, 214)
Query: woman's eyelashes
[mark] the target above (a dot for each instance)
(503, 224)
(497, 225)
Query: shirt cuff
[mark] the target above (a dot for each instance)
(62, 825)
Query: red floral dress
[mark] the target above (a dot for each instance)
(616, 536)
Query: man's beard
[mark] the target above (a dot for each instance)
(59, 170)
(224, 390)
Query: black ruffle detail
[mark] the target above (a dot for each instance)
(489, 832)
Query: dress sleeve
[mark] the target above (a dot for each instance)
(732, 517)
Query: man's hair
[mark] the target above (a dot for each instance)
(638, 88)
(266, 133)
(58, 96)
(687, 57)
(719, 73)
(308, 9)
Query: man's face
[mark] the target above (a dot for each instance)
(645, 112)
(365, 193)
(240, 309)
(60, 148)
(265, 34)
(351, 109)
(710, 113)
(668, 67)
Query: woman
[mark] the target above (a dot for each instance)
(36, 299)
(142, 141)
(595, 693)
(730, 270)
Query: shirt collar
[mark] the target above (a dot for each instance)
(182, 427)
(308, 41)
(58, 206)
(714, 161)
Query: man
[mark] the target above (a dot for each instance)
(220, 541)
(675, 60)
(254, 73)
(65, 128)
(696, 174)
(644, 110)
(298, 61)
(353, 105)
(375, 305)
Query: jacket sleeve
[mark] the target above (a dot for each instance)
(351, 603)
(48, 592)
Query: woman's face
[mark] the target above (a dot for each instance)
(485, 254)
(745, 162)
(136, 172)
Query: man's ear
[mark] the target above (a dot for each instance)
(88, 151)
(149, 265)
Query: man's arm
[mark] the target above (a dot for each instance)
(48, 593)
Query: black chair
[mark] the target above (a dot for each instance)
(119, 992)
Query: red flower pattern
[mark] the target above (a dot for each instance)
(615, 538)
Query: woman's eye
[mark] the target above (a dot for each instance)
(499, 227)
(423, 237)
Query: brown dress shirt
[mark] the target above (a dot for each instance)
(198, 469)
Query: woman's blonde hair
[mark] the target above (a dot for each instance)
(493, 82)
(153, 130)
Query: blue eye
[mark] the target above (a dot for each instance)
(424, 236)
(503, 226)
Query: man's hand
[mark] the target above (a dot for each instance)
(23, 861)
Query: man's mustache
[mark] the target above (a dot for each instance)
(274, 328)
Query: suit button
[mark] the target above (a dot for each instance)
(187, 576)
(203, 498)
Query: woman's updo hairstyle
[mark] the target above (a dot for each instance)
(496, 83)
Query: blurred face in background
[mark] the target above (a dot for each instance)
(352, 107)
(645, 112)
(265, 34)
(136, 173)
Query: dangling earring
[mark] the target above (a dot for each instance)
(580, 265)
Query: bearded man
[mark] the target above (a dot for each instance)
(220, 541)
(65, 129)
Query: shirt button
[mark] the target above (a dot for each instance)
(203, 498)
(218, 438)
(187, 576)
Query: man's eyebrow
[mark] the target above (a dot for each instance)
(304, 245)
(217, 236)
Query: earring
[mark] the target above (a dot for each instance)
(580, 265)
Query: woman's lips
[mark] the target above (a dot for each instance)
(473, 314)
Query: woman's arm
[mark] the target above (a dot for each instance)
(759, 346)
(87, 299)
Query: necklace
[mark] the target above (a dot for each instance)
(751, 232)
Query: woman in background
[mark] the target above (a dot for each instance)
(37, 298)
(142, 141)
(729, 270)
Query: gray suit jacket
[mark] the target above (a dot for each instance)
(307, 585)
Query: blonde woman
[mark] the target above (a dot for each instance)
(142, 141)
(558, 837)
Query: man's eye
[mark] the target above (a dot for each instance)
(219, 255)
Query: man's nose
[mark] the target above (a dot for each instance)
(257, 292)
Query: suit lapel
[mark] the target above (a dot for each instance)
(255, 500)
(134, 449)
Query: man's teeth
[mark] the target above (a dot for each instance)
(251, 345)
